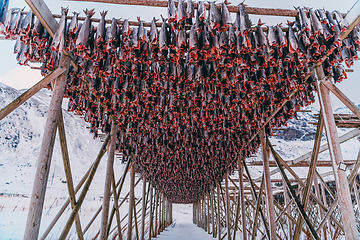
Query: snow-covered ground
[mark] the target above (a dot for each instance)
(20, 140)
(182, 227)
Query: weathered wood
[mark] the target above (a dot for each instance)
(346, 137)
(143, 208)
(42, 12)
(354, 171)
(116, 206)
(66, 203)
(310, 175)
(218, 211)
(135, 220)
(252, 184)
(239, 199)
(242, 197)
(31, 92)
(120, 184)
(108, 177)
(319, 163)
(321, 211)
(156, 212)
(257, 209)
(131, 202)
(269, 194)
(68, 175)
(151, 210)
(43, 164)
(159, 3)
(328, 214)
(342, 185)
(227, 201)
(297, 201)
(84, 191)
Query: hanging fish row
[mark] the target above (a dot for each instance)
(188, 101)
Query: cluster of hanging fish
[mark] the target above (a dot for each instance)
(189, 95)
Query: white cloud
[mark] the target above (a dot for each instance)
(21, 77)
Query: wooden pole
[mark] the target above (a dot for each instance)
(156, 212)
(66, 203)
(84, 191)
(208, 217)
(269, 194)
(47, 146)
(131, 201)
(143, 210)
(212, 211)
(228, 223)
(108, 177)
(68, 175)
(321, 211)
(341, 96)
(31, 92)
(151, 211)
(116, 206)
(311, 173)
(136, 222)
(342, 184)
(159, 3)
(218, 210)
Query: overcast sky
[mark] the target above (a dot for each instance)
(23, 77)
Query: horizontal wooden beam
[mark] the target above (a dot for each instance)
(320, 163)
(231, 8)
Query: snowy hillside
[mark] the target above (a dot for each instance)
(20, 140)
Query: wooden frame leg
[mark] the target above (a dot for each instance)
(43, 165)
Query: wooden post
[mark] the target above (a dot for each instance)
(131, 201)
(47, 146)
(313, 160)
(136, 221)
(342, 185)
(151, 211)
(208, 211)
(243, 207)
(156, 212)
(68, 175)
(116, 206)
(228, 223)
(212, 211)
(269, 194)
(84, 191)
(143, 210)
(321, 211)
(107, 188)
(66, 203)
(218, 210)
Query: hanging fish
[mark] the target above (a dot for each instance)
(26, 24)
(225, 18)
(125, 30)
(181, 14)
(141, 31)
(58, 42)
(83, 37)
(201, 11)
(190, 12)
(280, 36)
(304, 20)
(3, 10)
(163, 39)
(73, 26)
(171, 11)
(315, 23)
(340, 20)
(153, 32)
(292, 40)
(215, 18)
(15, 23)
(101, 29)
